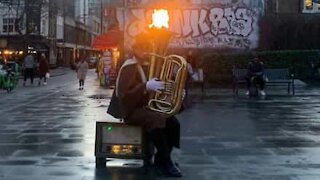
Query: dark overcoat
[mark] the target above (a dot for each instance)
(130, 97)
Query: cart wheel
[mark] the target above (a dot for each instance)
(101, 162)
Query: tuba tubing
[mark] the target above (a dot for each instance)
(173, 72)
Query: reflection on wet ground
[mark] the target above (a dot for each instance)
(223, 137)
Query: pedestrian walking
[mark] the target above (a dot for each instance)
(190, 58)
(43, 70)
(82, 69)
(29, 65)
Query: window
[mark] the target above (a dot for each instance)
(43, 26)
(9, 25)
(311, 6)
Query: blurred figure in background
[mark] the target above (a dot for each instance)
(190, 67)
(29, 65)
(191, 59)
(255, 76)
(43, 70)
(82, 69)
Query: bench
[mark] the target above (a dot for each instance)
(275, 77)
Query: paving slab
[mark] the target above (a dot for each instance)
(48, 132)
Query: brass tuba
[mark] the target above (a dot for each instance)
(172, 69)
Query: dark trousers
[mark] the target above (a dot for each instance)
(81, 82)
(28, 72)
(164, 139)
(42, 76)
(256, 80)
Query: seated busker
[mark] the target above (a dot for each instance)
(255, 76)
(129, 102)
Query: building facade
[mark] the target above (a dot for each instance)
(63, 30)
(20, 28)
(227, 24)
(290, 24)
(198, 24)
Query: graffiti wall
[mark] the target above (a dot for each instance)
(212, 25)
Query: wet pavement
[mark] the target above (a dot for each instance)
(48, 132)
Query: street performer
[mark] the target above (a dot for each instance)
(129, 101)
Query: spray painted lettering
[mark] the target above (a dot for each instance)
(234, 27)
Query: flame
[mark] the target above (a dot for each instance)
(160, 18)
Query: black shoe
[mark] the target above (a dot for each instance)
(157, 162)
(169, 170)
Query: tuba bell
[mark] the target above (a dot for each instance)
(171, 69)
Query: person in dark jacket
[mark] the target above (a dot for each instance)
(43, 70)
(29, 65)
(255, 76)
(129, 101)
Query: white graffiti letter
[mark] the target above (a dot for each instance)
(185, 23)
(174, 26)
(202, 24)
(194, 23)
(219, 23)
(243, 25)
(230, 16)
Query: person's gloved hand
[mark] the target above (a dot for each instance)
(155, 85)
(183, 94)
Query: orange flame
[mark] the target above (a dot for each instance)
(160, 18)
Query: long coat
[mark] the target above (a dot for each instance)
(82, 69)
(130, 98)
(43, 67)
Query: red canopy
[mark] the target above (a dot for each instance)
(108, 40)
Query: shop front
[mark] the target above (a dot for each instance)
(15, 48)
(110, 44)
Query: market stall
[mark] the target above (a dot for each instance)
(109, 43)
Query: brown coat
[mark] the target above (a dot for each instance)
(131, 100)
(43, 67)
(82, 69)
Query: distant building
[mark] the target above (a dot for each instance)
(65, 29)
(290, 24)
(62, 29)
(226, 24)
(20, 28)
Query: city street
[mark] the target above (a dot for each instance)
(48, 133)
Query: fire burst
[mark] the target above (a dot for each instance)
(160, 18)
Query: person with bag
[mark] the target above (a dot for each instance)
(82, 69)
(129, 102)
(43, 70)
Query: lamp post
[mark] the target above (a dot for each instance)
(52, 32)
(101, 16)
